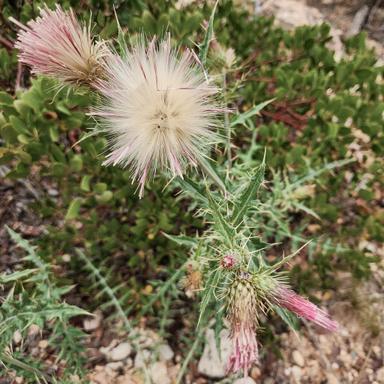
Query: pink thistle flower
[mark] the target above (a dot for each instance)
(158, 110)
(228, 261)
(56, 45)
(242, 315)
(287, 298)
(245, 349)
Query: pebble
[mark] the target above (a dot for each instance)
(159, 373)
(17, 337)
(244, 380)
(120, 352)
(298, 358)
(43, 344)
(296, 373)
(380, 375)
(210, 364)
(115, 365)
(255, 373)
(92, 323)
(141, 357)
(33, 330)
(165, 352)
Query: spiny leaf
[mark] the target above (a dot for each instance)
(222, 224)
(208, 37)
(187, 241)
(211, 284)
(242, 117)
(191, 187)
(289, 318)
(244, 202)
(211, 172)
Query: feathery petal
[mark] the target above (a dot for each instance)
(302, 307)
(56, 45)
(158, 110)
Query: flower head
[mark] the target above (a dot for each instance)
(287, 298)
(228, 261)
(242, 315)
(56, 45)
(157, 109)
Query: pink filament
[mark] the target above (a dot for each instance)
(304, 308)
(245, 350)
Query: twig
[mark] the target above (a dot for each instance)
(19, 76)
(7, 44)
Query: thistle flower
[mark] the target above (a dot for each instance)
(287, 298)
(56, 45)
(228, 261)
(157, 109)
(242, 315)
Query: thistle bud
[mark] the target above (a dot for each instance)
(228, 261)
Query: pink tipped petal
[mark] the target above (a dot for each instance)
(245, 350)
(302, 307)
(56, 45)
(158, 107)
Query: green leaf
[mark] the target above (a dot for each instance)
(222, 224)
(211, 171)
(192, 188)
(182, 240)
(242, 117)
(208, 37)
(211, 285)
(73, 209)
(16, 276)
(85, 183)
(244, 202)
(289, 318)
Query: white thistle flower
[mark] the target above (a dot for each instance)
(158, 110)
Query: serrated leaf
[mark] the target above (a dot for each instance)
(250, 192)
(222, 224)
(242, 117)
(289, 318)
(181, 240)
(192, 188)
(15, 276)
(211, 284)
(212, 173)
(208, 37)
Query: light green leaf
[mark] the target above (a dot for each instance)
(242, 117)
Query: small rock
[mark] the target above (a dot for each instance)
(244, 380)
(380, 375)
(33, 330)
(298, 358)
(121, 352)
(296, 373)
(43, 344)
(255, 373)
(115, 365)
(53, 192)
(142, 358)
(159, 373)
(210, 363)
(93, 323)
(332, 379)
(17, 337)
(165, 352)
